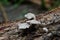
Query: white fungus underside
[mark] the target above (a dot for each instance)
(33, 22)
(23, 25)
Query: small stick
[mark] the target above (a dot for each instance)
(4, 13)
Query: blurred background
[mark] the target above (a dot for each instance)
(11, 10)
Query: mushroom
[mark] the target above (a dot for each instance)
(30, 16)
(33, 22)
(45, 29)
(23, 25)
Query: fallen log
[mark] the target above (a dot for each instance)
(11, 27)
(47, 18)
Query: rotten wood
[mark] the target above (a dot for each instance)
(39, 17)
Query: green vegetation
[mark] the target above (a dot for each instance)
(55, 4)
(16, 3)
(43, 4)
(7, 2)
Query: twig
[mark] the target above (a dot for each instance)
(4, 12)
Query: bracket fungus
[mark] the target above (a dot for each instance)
(28, 22)
(33, 22)
(30, 16)
(23, 25)
(45, 29)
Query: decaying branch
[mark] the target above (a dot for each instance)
(52, 16)
(33, 26)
